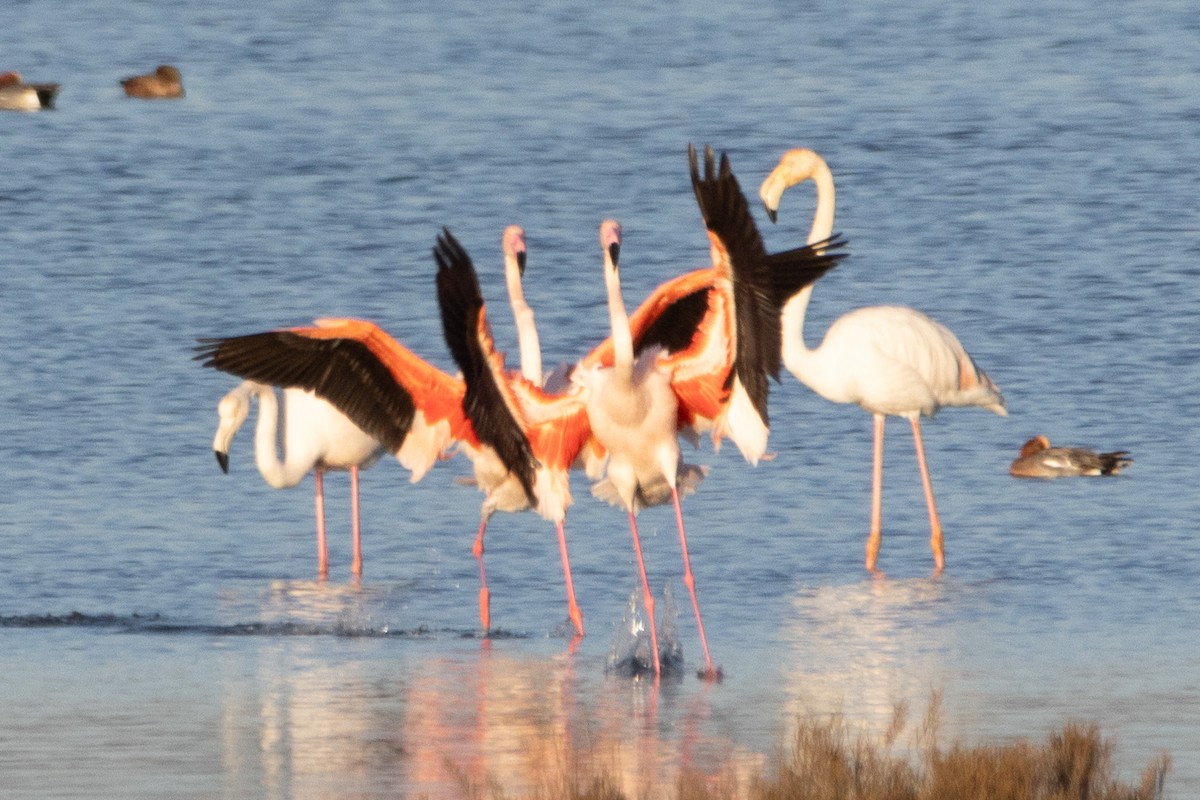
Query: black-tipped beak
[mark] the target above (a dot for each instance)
(521, 264)
(772, 215)
(614, 252)
(223, 460)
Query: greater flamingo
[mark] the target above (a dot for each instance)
(316, 438)
(542, 433)
(634, 414)
(1039, 460)
(718, 325)
(890, 360)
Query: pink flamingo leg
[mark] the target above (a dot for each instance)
(572, 607)
(356, 563)
(875, 538)
(935, 525)
(647, 597)
(322, 552)
(485, 597)
(689, 580)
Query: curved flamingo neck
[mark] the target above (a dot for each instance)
(797, 357)
(266, 435)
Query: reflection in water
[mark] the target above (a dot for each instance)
(462, 723)
(860, 649)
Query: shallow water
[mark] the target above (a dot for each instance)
(1026, 175)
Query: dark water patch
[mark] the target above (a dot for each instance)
(158, 624)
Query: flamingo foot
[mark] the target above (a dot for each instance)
(873, 543)
(711, 674)
(576, 617)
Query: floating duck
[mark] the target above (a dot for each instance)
(164, 83)
(16, 95)
(1039, 460)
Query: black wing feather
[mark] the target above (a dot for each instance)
(343, 371)
(675, 327)
(461, 302)
(762, 282)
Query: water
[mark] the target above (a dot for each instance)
(1025, 174)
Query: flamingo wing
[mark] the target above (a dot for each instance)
(354, 365)
(761, 282)
(488, 402)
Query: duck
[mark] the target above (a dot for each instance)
(164, 83)
(1039, 460)
(16, 95)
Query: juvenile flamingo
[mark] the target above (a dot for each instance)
(890, 360)
(634, 414)
(317, 437)
(543, 433)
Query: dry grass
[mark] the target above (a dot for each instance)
(829, 760)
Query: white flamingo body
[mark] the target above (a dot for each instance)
(905, 364)
(316, 438)
(633, 412)
(890, 360)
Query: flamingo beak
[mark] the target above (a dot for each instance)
(223, 460)
(521, 263)
(614, 252)
(772, 214)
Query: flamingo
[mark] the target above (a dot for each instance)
(16, 95)
(890, 360)
(718, 325)
(317, 437)
(543, 433)
(1039, 460)
(164, 83)
(488, 471)
(634, 414)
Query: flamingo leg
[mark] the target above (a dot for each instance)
(647, 597)
(689, 580)
(935, 525)
(875, 538)
(322, 551)
(485, 597)
(356, 563)
(572, 607)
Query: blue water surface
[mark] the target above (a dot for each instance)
(1024, 173)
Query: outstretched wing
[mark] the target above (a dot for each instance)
(488, 403)
(356, 366)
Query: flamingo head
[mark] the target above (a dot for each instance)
(610, 240)
(514, 246)
(795, 166)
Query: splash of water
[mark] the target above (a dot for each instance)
(630, 655)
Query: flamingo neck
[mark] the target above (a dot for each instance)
(527, 336)
(621, 335)
(822, 224)
(797, 357)
(266, 436)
